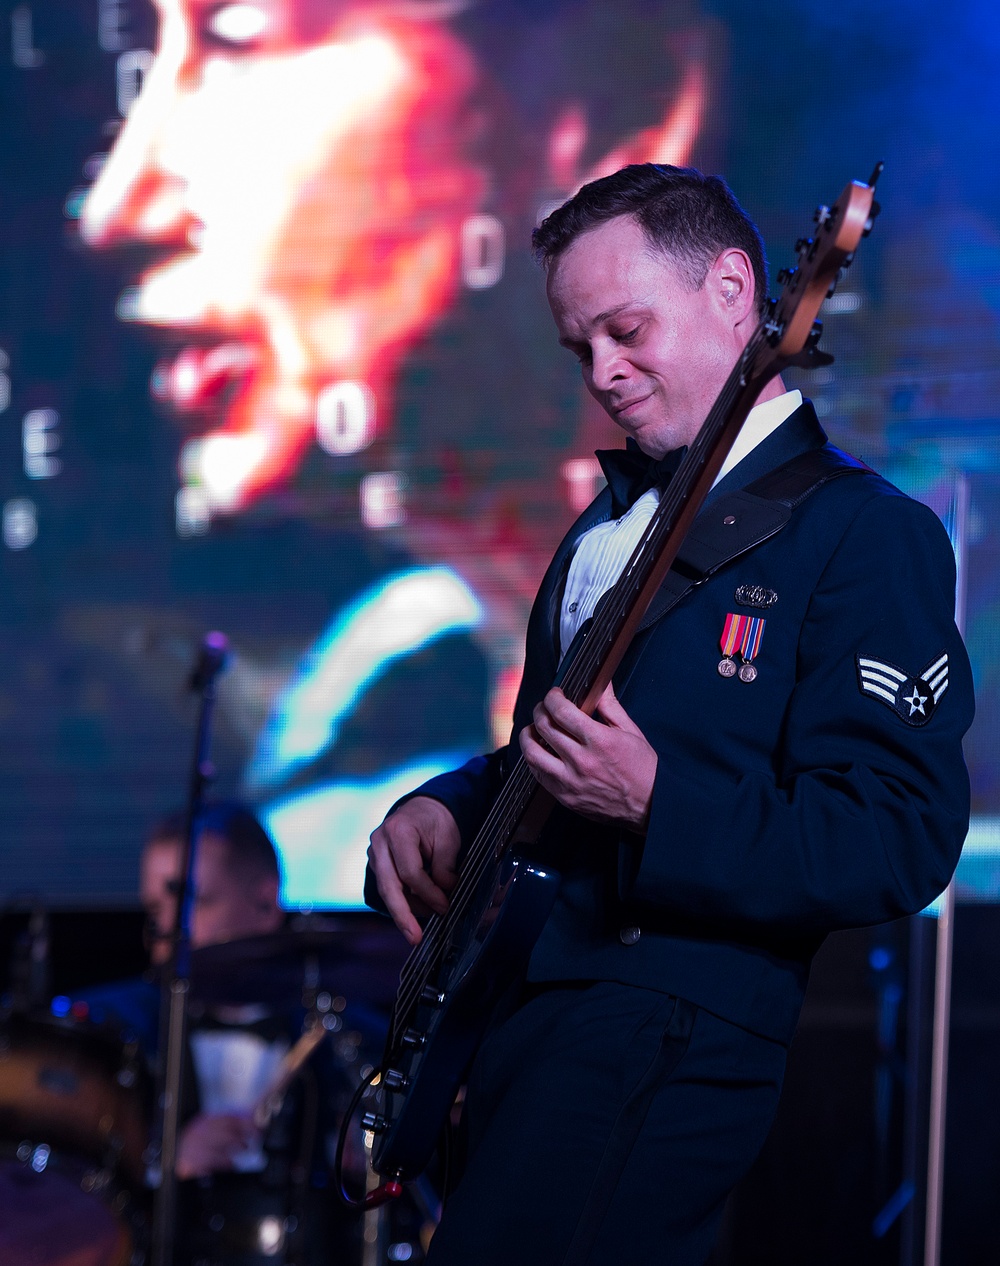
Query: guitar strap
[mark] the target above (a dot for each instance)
(739, 521)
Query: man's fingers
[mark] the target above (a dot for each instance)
(413, 855)
(411, 871)
(544, 762)
(444, 873)
(236, 1132)
(248, 1131)
(399, 907)
(391, 888)
(612, 711)
(564, 715)
(410, 850)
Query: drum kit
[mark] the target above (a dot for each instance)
(78, 1122)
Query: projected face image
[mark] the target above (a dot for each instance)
(303, 174)
(303, 185)
(292, 189)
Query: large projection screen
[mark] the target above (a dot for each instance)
(275, 360)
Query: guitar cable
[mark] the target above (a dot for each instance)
(391, 1189)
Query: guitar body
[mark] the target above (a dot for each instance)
(432, 1056)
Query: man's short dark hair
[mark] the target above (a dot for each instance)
(685, 214)
(251, 852)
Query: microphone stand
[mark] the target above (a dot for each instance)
(177, 975)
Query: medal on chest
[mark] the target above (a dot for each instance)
(741, 635)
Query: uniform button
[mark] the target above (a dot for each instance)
(629, 936)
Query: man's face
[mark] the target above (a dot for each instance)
(297, 169)
(654, 352)
(226, 905)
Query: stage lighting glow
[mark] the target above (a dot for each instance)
(238, 23)
(393, 619)
(322, 836)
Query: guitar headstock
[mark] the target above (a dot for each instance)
(791, 328)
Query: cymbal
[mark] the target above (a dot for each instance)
(357, 961)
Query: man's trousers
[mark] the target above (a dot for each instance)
(606, 1124)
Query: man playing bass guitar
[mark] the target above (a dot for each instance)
(779, 757)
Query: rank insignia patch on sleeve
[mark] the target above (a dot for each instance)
(913, 698)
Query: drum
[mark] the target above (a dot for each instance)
(74, 1101)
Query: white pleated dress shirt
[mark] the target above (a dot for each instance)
(601, 554)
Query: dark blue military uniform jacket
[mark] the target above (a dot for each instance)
(811, 799)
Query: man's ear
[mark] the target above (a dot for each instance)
(731, 284)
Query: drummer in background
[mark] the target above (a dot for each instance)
(235, 895)
(234, 1052)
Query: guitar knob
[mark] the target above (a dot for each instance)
(431, 995)
(872, 217)
(414, 1038)
(394, 1080)
(372, 1121)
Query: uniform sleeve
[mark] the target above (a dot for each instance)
(864, 815)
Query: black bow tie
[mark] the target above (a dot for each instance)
(630, 473)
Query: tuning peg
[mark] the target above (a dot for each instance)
(803, 244)
(786, 275)
(872, 216)
(821, 215)
(811, 358)
(833, 288)
(815, 334)
(873, 178)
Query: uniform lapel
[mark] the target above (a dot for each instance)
(799, 432)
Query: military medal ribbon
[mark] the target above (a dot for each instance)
(742, 634)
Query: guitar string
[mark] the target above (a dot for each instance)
(578, 677)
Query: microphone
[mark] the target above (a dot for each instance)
(30, 963)
(212, 656)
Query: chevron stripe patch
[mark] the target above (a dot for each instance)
(913, 697)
